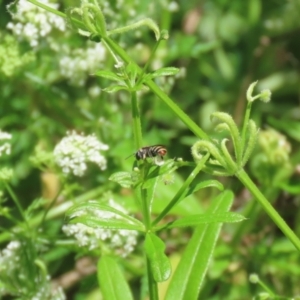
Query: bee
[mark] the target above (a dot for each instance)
(150, 151)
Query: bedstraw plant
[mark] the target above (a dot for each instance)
(97, 224)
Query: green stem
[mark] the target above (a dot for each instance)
(158, 92)
(48, 8)
(136, 119)
(51, 205)
(112, 53)
(273, 214)
(145, 202)
(58, 210)
(145, 209)
(266, 288)
(152, 285)
(16, 201)
(182, 190)
(245, 124)
(57, 12)
(87, 19)
(14, 220)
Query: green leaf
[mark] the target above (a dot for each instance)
(168, 71)
(95, 222)
(111, 280)
(115, 88)
(254, 11)
(132, 71)
(116, 219)
(189, 275)
(252, 132)
(124, 179)
(204, 184)
(223, 217)
(109, 75)
(160, 264)
(169, 166)
(94, 205)
(148, 190)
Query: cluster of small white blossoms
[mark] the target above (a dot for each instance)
(122, 242)
(9, 257)
(5, 146)
(75, 150)
(33, 23)
(10, 267)
(77, 64)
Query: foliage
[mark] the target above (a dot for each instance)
(84, 86)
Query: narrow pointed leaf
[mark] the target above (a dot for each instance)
(99, 207)
(168, 71)
(155, 251)
(252, 132)
(168, 167)
(108, 75)
(132, 70)
(149, 189)
(107, 223)
(124, 179)
(190, 273)
(115, 88)
(222, 217)
(111, 280)
(204, 184)
(234, 132)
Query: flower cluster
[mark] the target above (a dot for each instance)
(13, 268)
(122, 242)
(9, 257)
(76, 65)
(33, 23)
(75, 150)
(5, 147)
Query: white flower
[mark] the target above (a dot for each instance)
(74, 152)
(121, 241)
(9, 258)
(33, 23)
(13, 269)
(78, 64)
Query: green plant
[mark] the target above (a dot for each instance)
(210, 156)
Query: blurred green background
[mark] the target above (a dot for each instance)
(220, 47)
